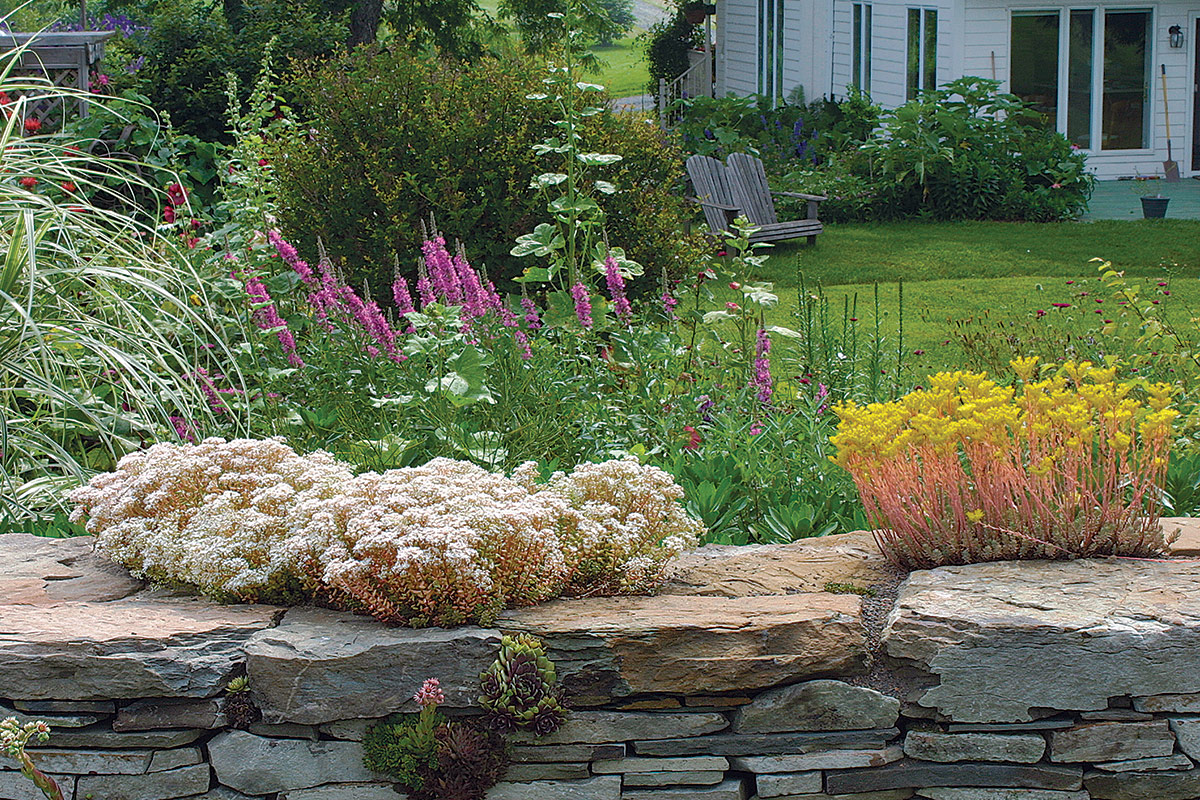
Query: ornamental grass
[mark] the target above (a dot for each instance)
(968, 470)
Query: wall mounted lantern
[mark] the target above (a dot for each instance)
(1175, 34)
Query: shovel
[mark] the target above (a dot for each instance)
(1170, 168)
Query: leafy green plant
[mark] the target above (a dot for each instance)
(14, 737)
(667, 44)
(520, 690)
(408, 750)
(238, 706)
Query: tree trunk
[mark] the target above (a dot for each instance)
(364, 21)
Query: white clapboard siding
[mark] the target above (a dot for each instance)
(737, 46)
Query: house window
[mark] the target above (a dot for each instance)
(922, 50)
(770, 48)
(861, 48)
(1088, 72)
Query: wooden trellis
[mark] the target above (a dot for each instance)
(65, 59)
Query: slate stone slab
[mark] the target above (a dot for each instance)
(142, 646)
(1143, 786)
(81, 762)
(15, 786)
(604, 787)
(598, 727)
(524, 773)
(1112, 741)
(1187, 734)
(1173, 762)
(915, 774)
(153, 786)
(728, 790)
(37, 571)
(105, 738)
(789, 784)
(323, 666)
(948, 747)
(694, 764)
(1169, 703)
(1125, 628)
(827, 759)
(345, 791)
(103, 707)
(956, 793)
(768, 744)
(148, 715)
(257, 765)
(173, 759)
(669, 779)
(568, 753)
(617, 646)
(820, 705)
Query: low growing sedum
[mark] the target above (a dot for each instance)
(968, 470)
(442, 544)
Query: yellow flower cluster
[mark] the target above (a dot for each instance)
(1082, 405)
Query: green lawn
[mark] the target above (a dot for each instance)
(962, 279)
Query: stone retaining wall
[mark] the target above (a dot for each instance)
(1008, 681)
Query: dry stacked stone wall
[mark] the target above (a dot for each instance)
(1010, 681)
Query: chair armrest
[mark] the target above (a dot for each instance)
(711, 204)
(817, 197)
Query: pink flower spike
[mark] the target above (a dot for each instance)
(430, 694)
(583, 305)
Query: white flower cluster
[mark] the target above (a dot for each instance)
(444, 544)
(623, 524)
(211, 514)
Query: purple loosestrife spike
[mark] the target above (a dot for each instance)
(292, 258)
(267, 318)
(616, 290)
(532, 320)
(762, 367)
(404, 303)
(583, 305)
(522, 340)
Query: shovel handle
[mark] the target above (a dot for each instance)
(1166, 114)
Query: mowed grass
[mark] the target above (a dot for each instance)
(974, 277)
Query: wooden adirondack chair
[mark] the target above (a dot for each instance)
(740, 189)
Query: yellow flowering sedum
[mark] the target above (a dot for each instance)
(968, 470)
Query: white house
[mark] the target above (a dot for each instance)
(1094, 68)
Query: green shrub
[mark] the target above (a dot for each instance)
(398, 138)
(667, 46)
(966, 151)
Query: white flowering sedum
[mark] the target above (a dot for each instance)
(210, 514)
(445, 543)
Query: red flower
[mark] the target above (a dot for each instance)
(4, 99)
(33, 125)
(1061, 305)
(169, 215)
(693, 438)
(176, 194)
(28, 182)
(68, 187)
(262, 162)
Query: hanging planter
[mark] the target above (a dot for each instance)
(695, 13)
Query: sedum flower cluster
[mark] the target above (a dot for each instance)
(968, 470)
(441, 544)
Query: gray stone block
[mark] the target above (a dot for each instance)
(598, 727)
(667, 779)
(351, 730)
(346, 791)
(289, 730)
(827, 759)
(257, 765)
(889, 794)
(693, 764)
(103, 762)
(172, 759)
(1112, 741)
(567, 753)
(1143, 785)
(56, 721)
(218, 793)
(321, 666)
(142, 646)
(789, 783)
(150, 715)
(766, 744)
(1169, 704)
(104, 738)
(66, 706)
(915, 774)
(727, 790)
(821, 705)
(525, 773)
(958, 793)
(1115, 715)
(1187, 735)
(604, 787)
(153, 786)
(1172, 762)
(15, 786)
(945, 747)
(1048, 724)
(1115, 633)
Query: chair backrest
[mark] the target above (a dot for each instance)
(748, 182)
(709, 179)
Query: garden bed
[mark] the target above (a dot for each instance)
(1078, 679)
